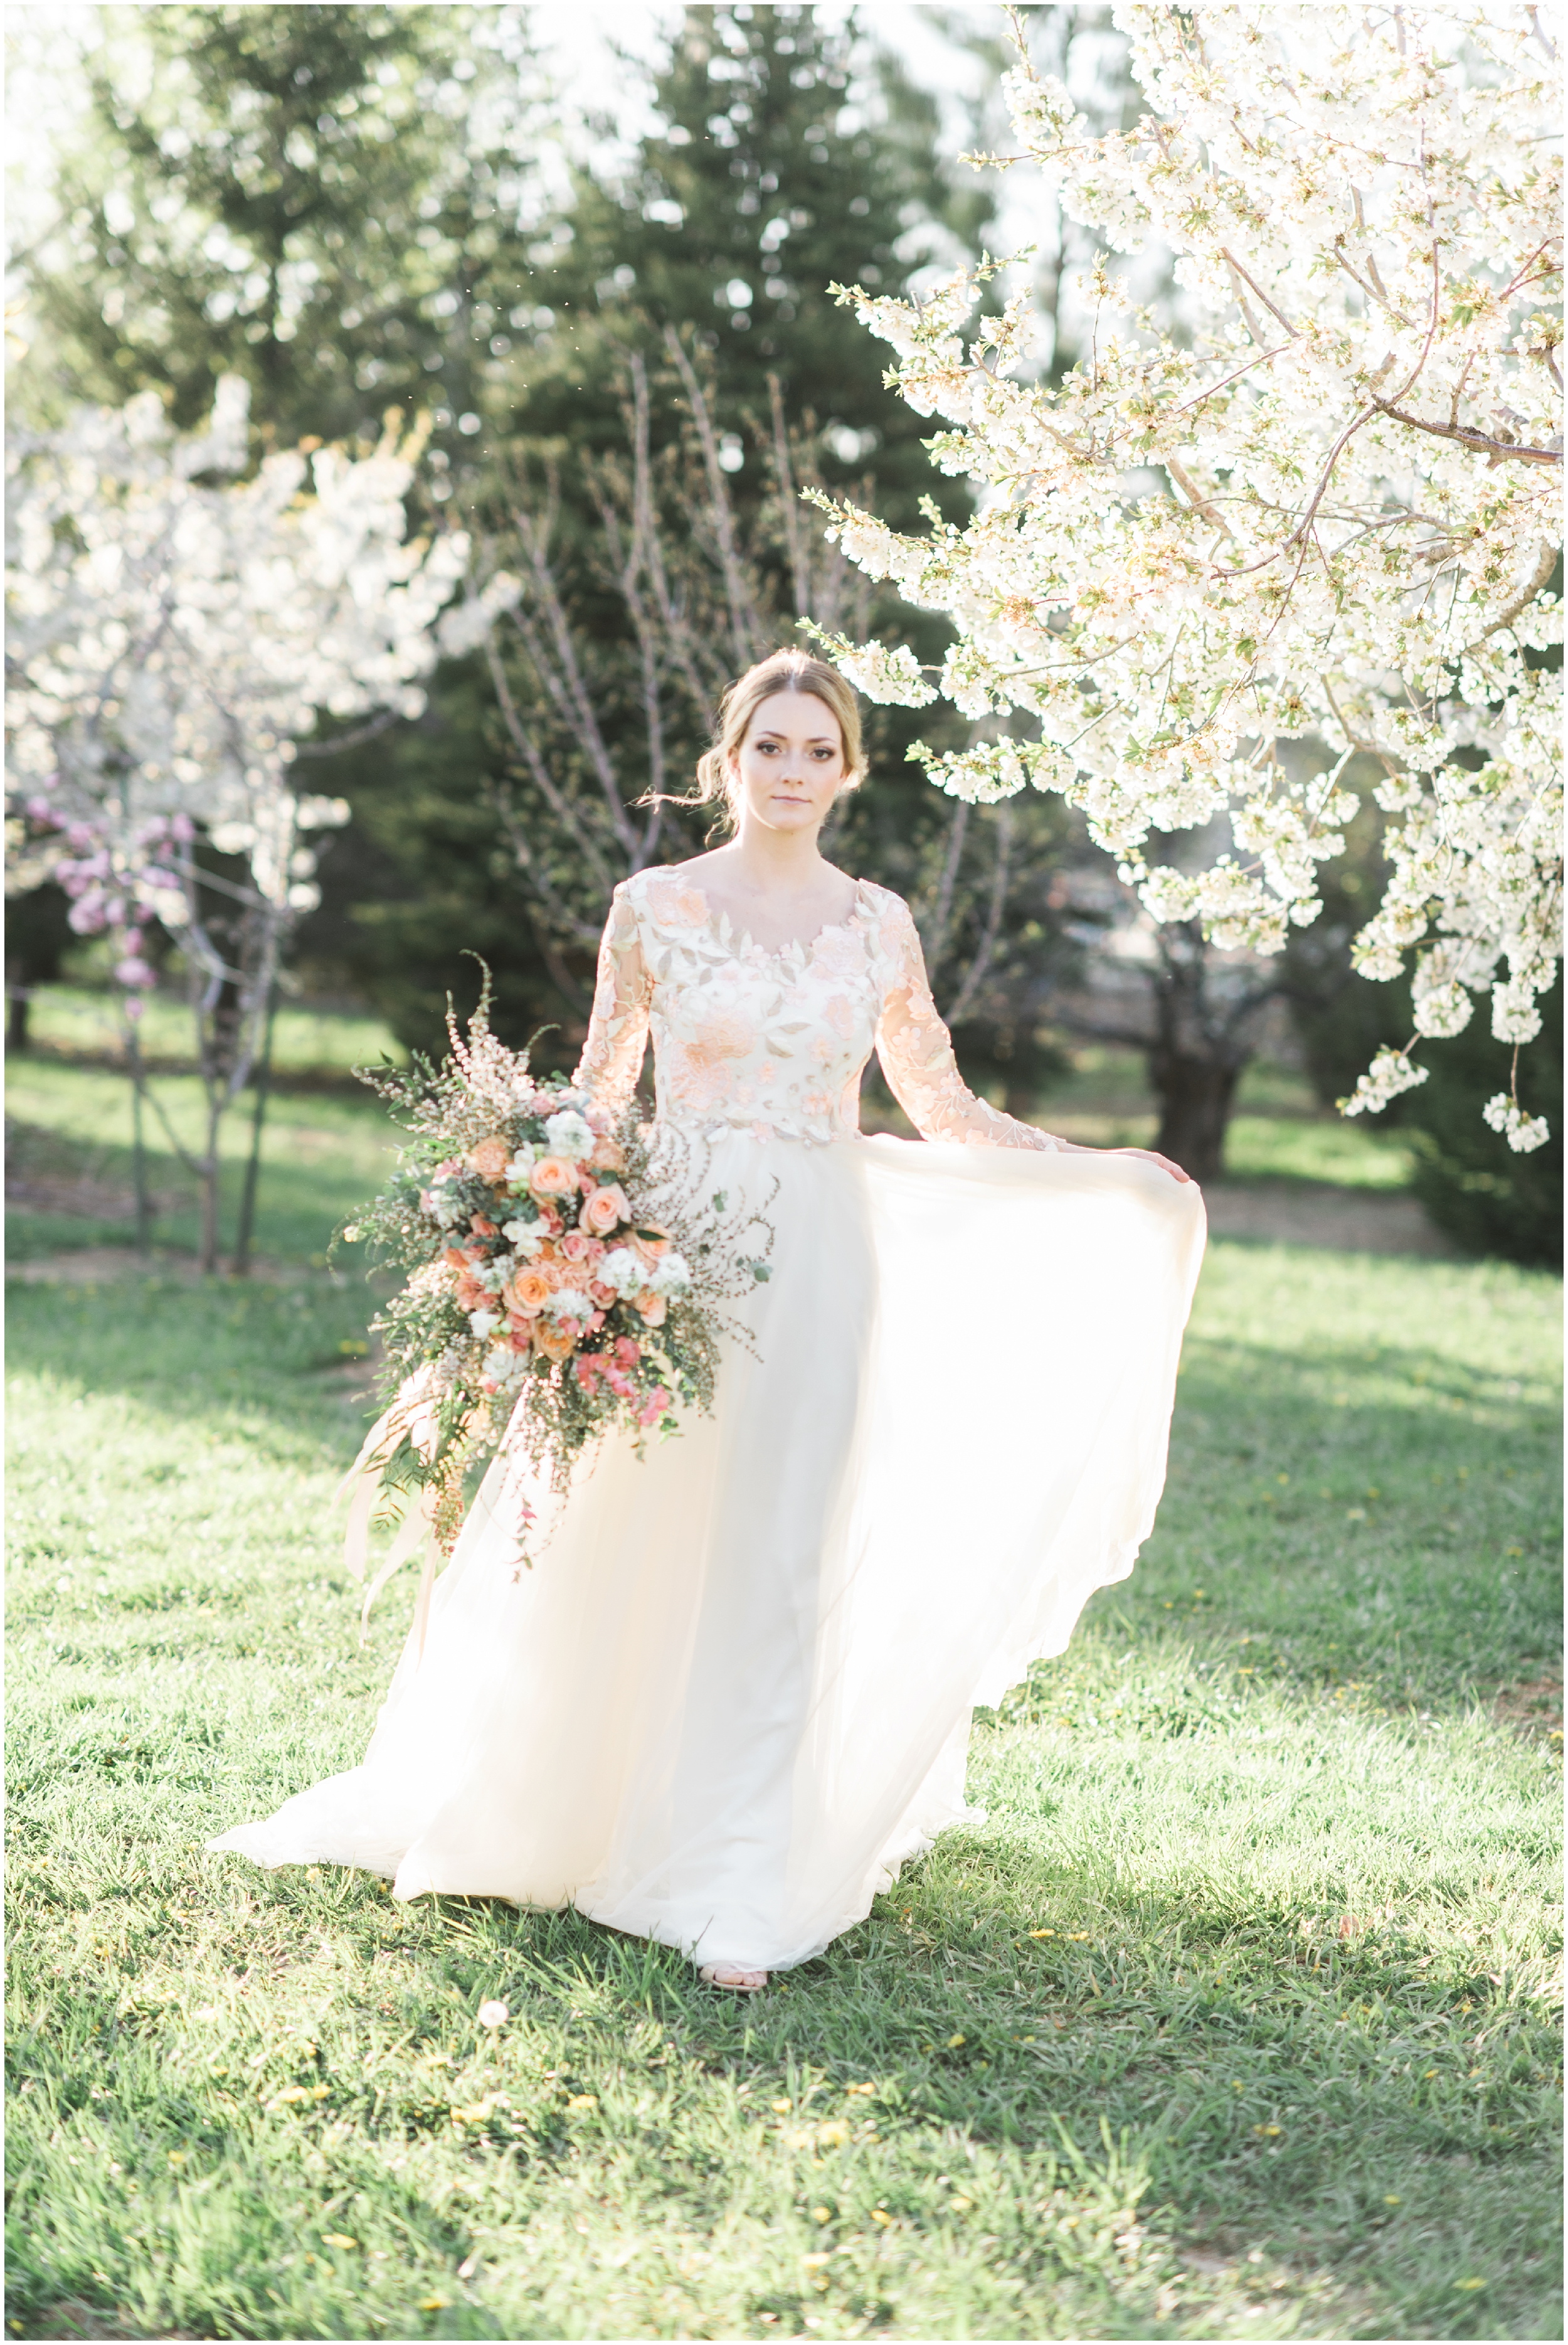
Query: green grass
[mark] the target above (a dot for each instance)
(1231, 2020)
(1277, 1132)
(322, 1154)
(1280, 2062)
(77, 1021)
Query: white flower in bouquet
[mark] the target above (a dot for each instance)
(671, 1275)
(524, 1157)
(444, 1205)
(568, 1135)
(503, 1365)
(569, 1303)
(482, 1322)
(524, 1238)
(624, 1271)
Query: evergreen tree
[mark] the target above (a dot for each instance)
(788, 160)
(764, 185)
(318, 198)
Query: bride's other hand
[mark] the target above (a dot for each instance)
(1152, 1156)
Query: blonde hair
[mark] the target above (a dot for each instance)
(784, 670)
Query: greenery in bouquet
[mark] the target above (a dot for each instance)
(568, 1273)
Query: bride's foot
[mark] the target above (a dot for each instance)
(730, 1975)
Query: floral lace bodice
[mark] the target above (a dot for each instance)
(774, 1043)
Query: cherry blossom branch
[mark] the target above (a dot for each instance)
(1499, 449)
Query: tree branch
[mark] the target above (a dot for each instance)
(1497, 449)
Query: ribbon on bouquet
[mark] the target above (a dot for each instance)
(364, 1483)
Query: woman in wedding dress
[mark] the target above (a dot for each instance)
(732, 1694)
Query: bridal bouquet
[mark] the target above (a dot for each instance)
(568, 1277)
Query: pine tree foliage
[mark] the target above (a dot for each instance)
(790, 155)
(320, 199)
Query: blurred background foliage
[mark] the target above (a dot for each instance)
(354, 207)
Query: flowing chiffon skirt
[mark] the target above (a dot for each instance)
(732, 1694)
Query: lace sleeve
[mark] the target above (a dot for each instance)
(916, 1054)
(611, 1057)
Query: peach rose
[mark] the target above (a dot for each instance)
(490, 1158)
(608, 1158)
(554, 1342)
(552, 1176)
(652, 1308)
(529, 1292)
(605, 1209)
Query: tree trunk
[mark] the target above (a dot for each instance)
(18, 1001)
(211, 1174)
(139, 1142)
(1202, 1042)
(241, 1261)
(1196, 1096)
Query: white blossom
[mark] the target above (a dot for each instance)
(464, 625)
(174, 636)
(1390, 1073)
(891, 675)
(1521, 1132)
(1321, 506)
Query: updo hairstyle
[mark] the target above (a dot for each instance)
(784, 670)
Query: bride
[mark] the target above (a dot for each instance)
(734, 1693)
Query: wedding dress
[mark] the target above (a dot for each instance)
(733, 1692)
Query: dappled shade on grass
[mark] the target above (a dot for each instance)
(1230, 2015)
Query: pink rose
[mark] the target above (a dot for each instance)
(576, 1248)
(605, 1209)
(552, 1176)
(651, 1307)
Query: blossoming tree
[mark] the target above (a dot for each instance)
(1320, 507)
(175, 635)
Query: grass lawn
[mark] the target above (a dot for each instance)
(1232, 2020)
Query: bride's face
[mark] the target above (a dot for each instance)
(788, 769)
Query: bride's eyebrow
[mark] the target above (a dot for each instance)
(814, 740)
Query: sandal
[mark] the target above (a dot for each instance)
(730, 1975)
